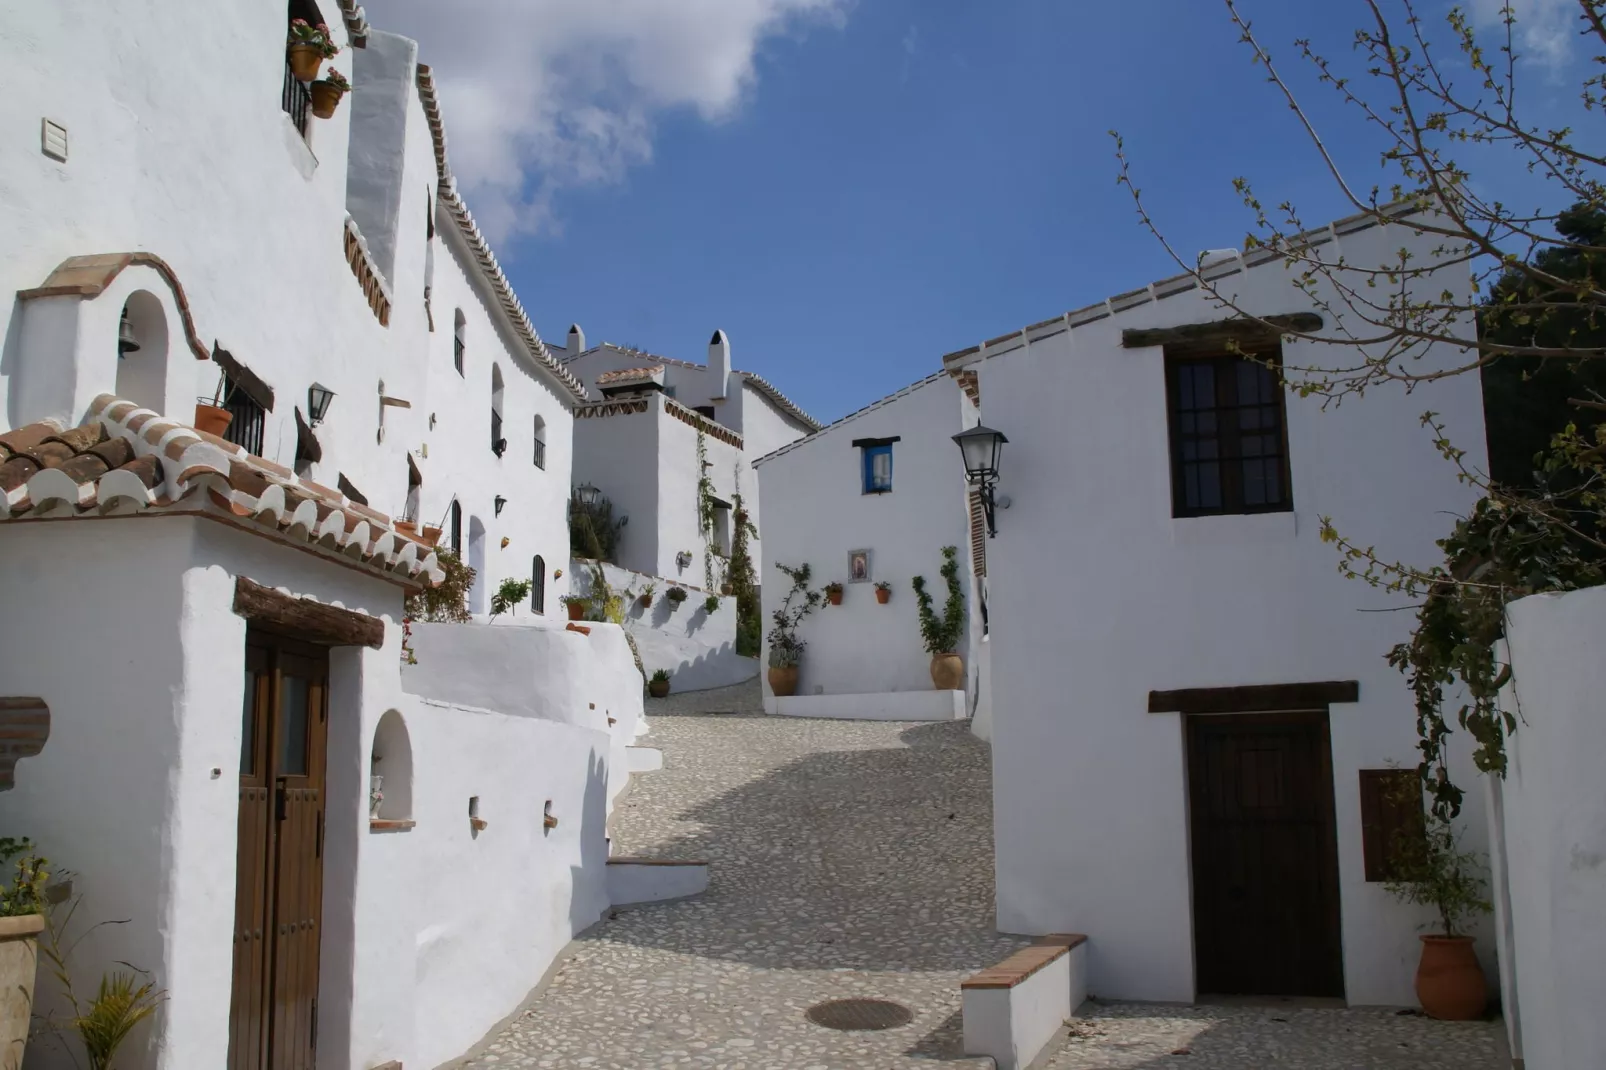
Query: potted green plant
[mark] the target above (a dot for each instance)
(711, 604)
(658, 686)
(22, 919)
(121, 1002)
(307, 48)
(676, 595)
(578, 605)
(883, 592)
(833, 592)
(941, 634)
(646, 595)
(508, 596)
(1431, 870)
(326, 93)
(786, 647)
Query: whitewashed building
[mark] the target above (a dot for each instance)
(1192, 710)
(211, 668)
(873, 498)
(638, 443)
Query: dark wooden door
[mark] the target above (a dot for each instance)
(1265, 858)
(279, 882)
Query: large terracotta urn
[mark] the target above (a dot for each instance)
(19, 965)
(1449, 981)
(947, 672)
(783, 681)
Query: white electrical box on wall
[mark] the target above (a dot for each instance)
(53, 140)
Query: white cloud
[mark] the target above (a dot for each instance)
(1544, 28)
(542, 95)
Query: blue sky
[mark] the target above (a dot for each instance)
(913, 176)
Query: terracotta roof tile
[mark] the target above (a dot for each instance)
(123, 460)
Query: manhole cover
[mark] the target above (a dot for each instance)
(860, 1014)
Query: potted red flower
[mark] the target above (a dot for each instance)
(308, 47)
(327, 92)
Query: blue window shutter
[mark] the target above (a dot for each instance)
(877, 469)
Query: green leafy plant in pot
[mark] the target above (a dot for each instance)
(577, 604)
(1430, 869)
(786, 647)
(23, 910)
(122, 1000)
(941, 634)
(658, 686)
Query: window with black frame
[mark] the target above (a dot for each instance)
(1229, 444)
(249, 419)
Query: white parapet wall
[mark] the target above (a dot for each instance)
(1012, 1010)
(1549, 829)
(651, 880)
(879, 706)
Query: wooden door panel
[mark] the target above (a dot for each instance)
(1265, 878)
(278, 899)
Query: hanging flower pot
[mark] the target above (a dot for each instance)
(727, 589)
(432, 534)
(833, 592)
(326, 94)
(407, 527)
(305, 60)
(212, 419)
(883, 592)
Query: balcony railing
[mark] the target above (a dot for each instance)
(297, 101)
(540, 454)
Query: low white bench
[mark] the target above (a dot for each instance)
(1012, 1010)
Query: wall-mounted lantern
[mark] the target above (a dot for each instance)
(127, 341)
(981, 447)
(500, 501)
(318, 399)
(587, 495)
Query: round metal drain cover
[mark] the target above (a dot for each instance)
(853, 1014)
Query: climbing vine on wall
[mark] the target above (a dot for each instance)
(705, 511)
(744, 584)
(941, 634)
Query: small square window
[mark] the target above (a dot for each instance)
(1229, 451)
(878, 469)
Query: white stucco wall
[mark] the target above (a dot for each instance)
(1098, 595)
(1554, 829)
(816, 513)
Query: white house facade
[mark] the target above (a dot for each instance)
(873, 498)
(190, 230)
(1191, 705)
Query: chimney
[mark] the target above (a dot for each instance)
(719, 364)
(577, 340)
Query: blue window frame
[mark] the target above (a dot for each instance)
(877, 468)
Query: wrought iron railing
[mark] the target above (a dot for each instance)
(245, 430)
(297, 101)
(540, 454)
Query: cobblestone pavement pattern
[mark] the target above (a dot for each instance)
(848, 859)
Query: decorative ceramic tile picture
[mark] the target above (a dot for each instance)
(858, 566)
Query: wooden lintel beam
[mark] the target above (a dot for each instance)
(1257, 698)
(305, 618)
(1240, 329)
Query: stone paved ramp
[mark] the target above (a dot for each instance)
(848, 859)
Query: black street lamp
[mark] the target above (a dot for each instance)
(981, 447)
(318, 399)
(587, 495)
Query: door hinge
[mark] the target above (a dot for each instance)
(319, 852)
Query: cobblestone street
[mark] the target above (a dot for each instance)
(854, 859)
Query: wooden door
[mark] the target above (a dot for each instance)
(1265, 858)
(279, 881)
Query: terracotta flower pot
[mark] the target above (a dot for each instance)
(305, 61)
(407, 527)
(577, 611)
(431, 535)
(883, 596)
(948, 672)
(19, 962)
(658, 688)
(325, 99)
(645, 601)
(726, 589)
(1449, 981)
(212, 419)
(783, 681)
(835, 597)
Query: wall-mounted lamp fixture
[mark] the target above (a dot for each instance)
(127, 341)
(318, 399)
(500, 501)
(587, 495)
(981, 448)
